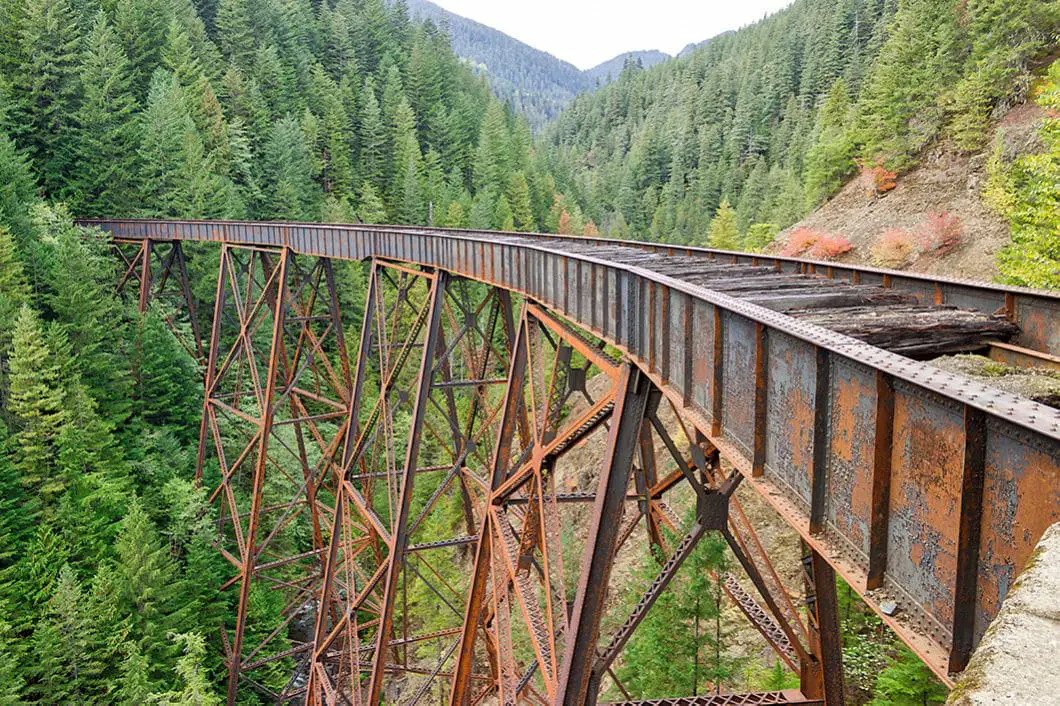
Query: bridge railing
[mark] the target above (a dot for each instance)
(925, 490)
(1035, 310)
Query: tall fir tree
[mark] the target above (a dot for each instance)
(147, 587)
(291, 193)
(521, 206)
(45, 88)
(105, 128)
(373, 139)
(177, 179)
(724, 232)
(36, 406)
(63, 663)
(18, 190)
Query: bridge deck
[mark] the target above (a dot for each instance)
(925, 490)
(892, 319)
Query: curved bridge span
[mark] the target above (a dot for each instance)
(925, 491)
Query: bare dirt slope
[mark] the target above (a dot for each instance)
(945, 180)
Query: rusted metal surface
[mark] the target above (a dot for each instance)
(1035, 311)
(759, 699)
(1020, 357)
(897, 525)
(158, 270)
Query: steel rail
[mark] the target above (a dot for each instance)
(925, 490)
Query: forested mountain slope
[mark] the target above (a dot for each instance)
(267, 109)
(765, 123)
(610, 70)
(538, 84)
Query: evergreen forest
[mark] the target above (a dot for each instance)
(349, 111)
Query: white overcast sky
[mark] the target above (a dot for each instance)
(588, 32)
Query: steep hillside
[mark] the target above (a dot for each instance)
(748, 133)
(538, 84)
(969, 194)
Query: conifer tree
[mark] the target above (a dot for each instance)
(134, 686)
(492, 155)
(411, 208)
(36, 405)
(12, 681)
(831, 158)
(502, 215)
(63, 664)
(45, 86)
(105, 128)
(177, 180)
(288, 169)
(18, 190)
(405, 192)
(373, 139)
(235, 33)
(196, 689)
(455, 217)
(724, 233)
(482, 209)
(165, 374)
(98, 479)
(522, 208)
(371, 208)
(14, 292)
(36, 575)
(147, 585)
(180, 59)
(141, 28)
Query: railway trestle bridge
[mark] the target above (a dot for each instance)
(409, 502)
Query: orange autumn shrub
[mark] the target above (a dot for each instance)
(799, 241)
(895, 248)
(877, 178)
(941, 232)
(830, 247)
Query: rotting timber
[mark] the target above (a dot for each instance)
(924, 490)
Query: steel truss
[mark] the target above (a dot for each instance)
(397, 522)
(157, 271)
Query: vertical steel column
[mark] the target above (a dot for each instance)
(268, 410)
(211, 361)
(828, 623)
(513, 400)
(968, 539)
(631, 400)
(399, 534)
(144, 299)
(823, 677)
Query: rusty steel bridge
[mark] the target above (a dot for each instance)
(486, 364)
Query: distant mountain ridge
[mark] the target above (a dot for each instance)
(538, 84)
(612, 68)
